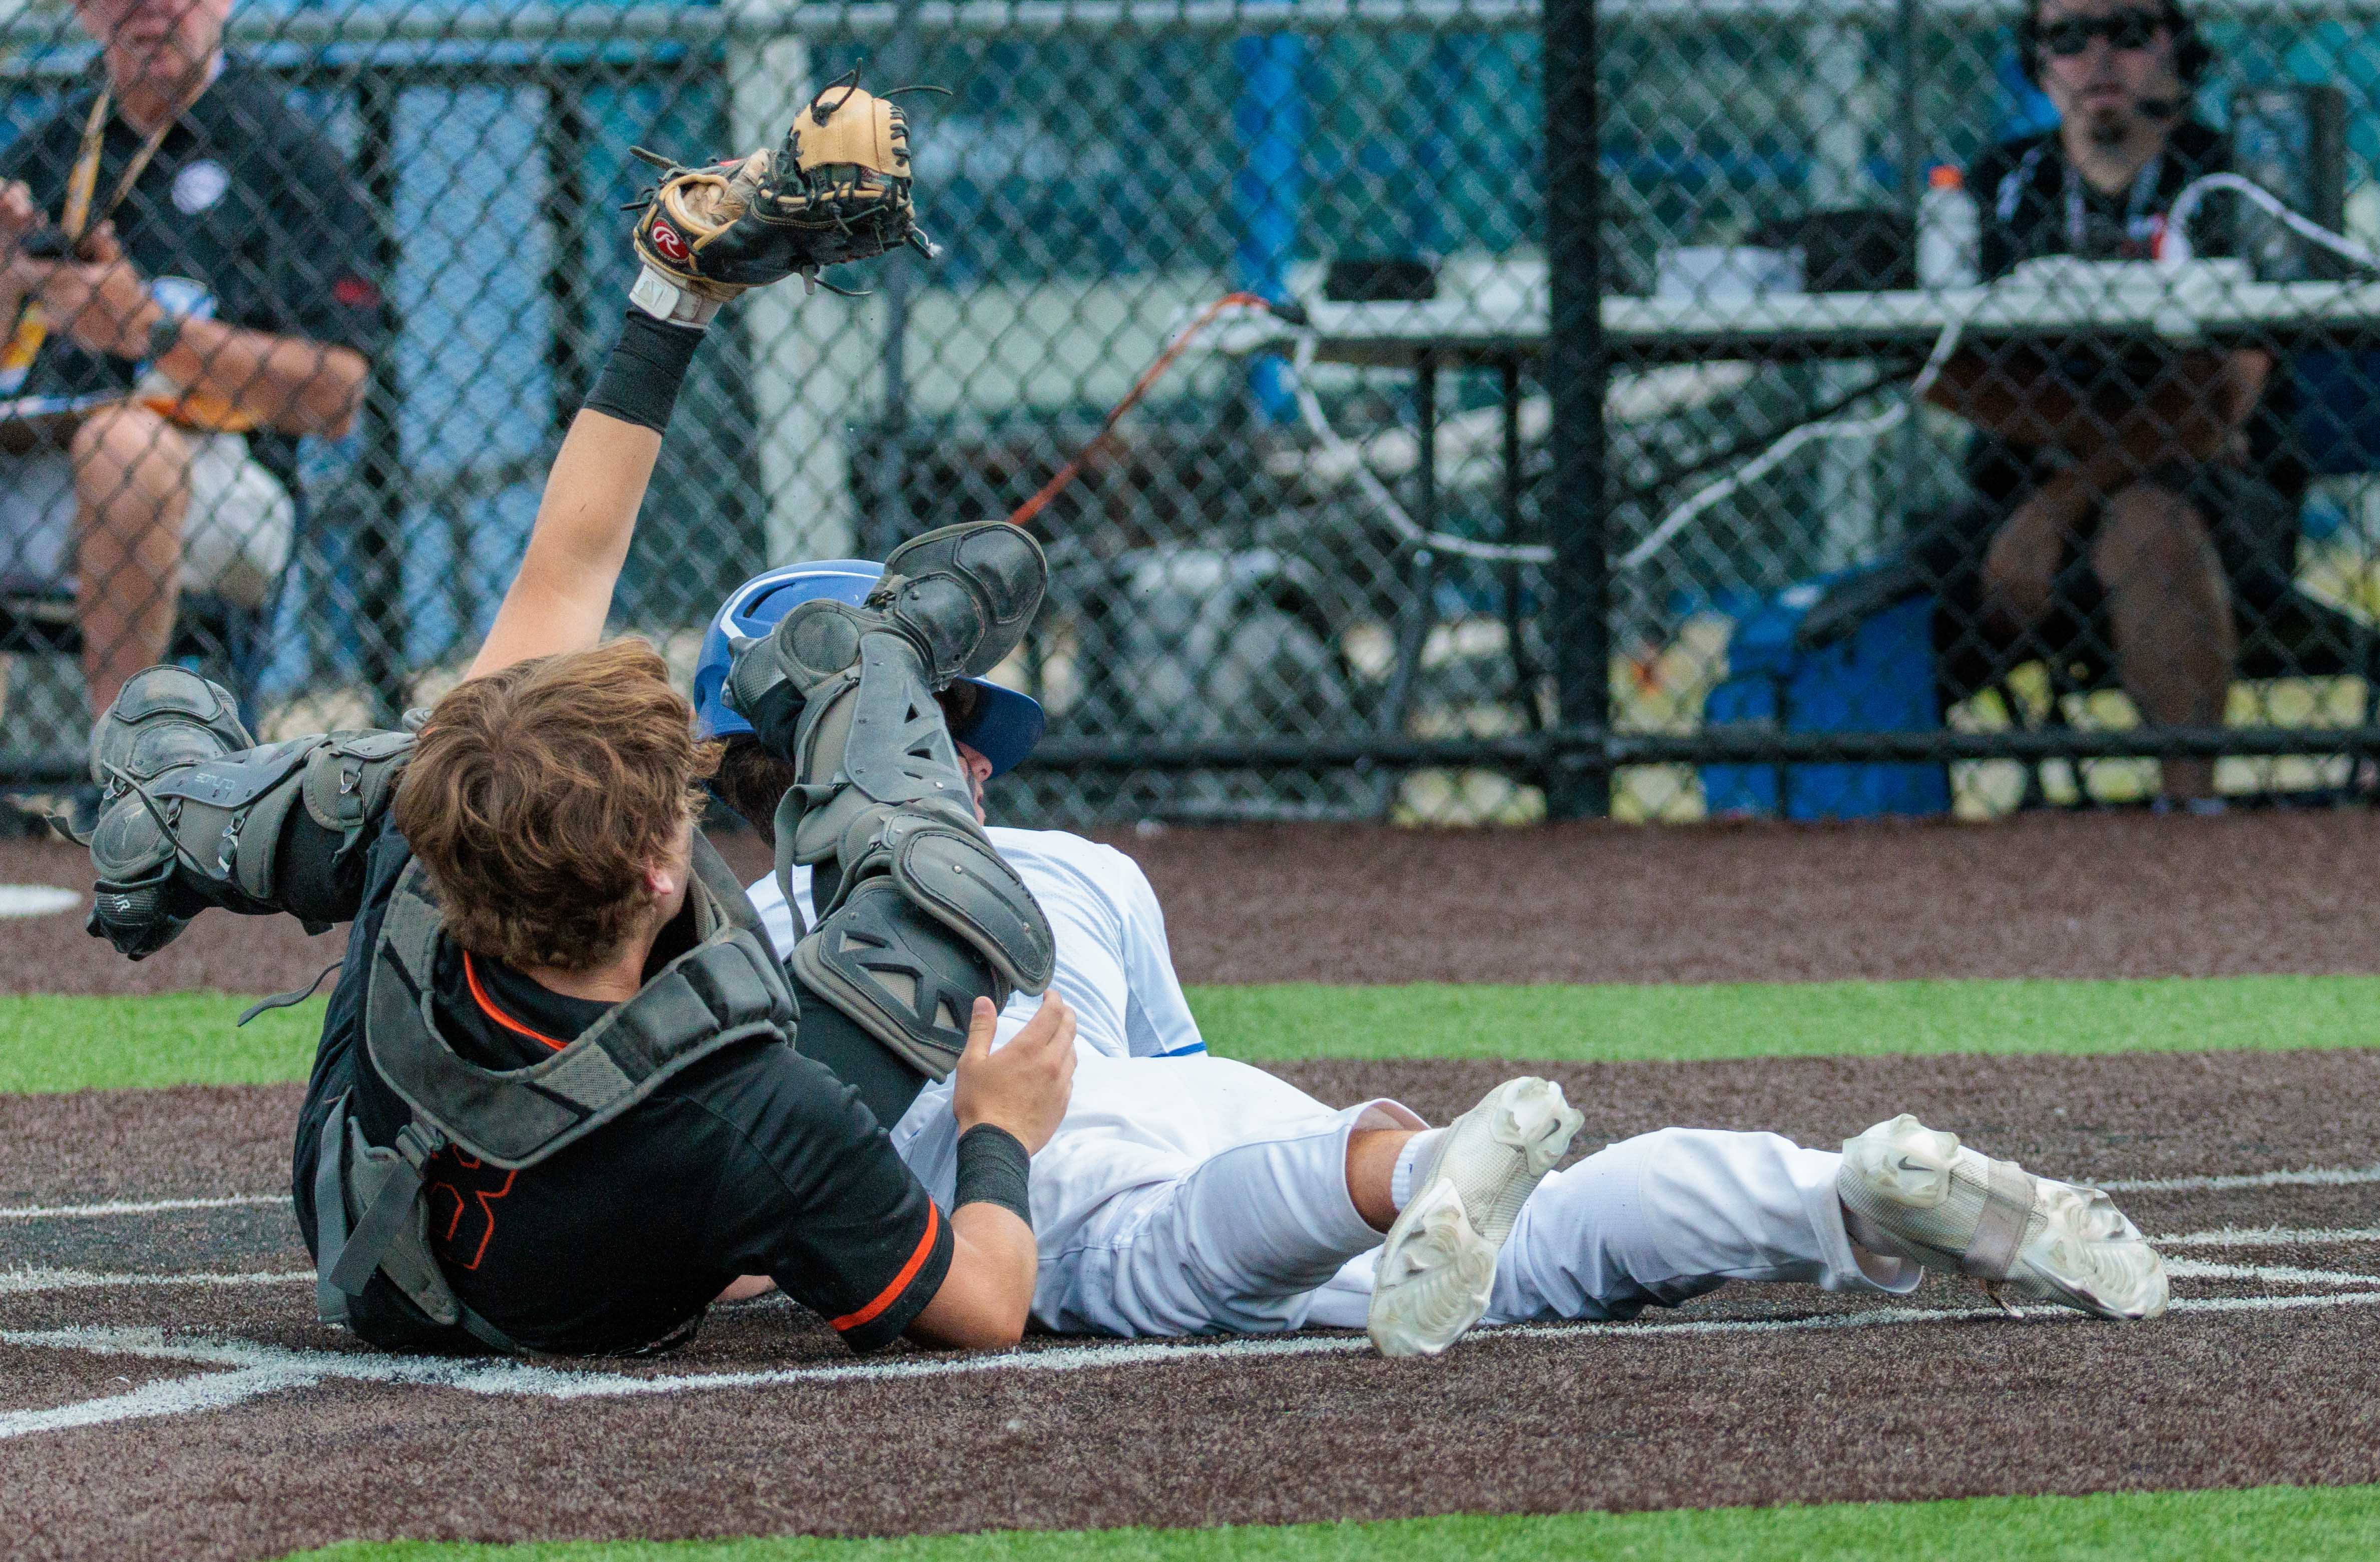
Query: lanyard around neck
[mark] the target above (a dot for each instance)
(2145, 184)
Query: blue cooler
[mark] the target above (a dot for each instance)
(1877, 679)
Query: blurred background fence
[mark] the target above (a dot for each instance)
(1242, 624)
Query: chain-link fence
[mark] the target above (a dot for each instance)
(1620, 499)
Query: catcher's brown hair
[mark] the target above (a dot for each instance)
(538, 796)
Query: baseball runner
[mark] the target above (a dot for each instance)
(1657, 1218)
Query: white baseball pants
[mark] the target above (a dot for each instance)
(1196, 1195)
(1657, 1219)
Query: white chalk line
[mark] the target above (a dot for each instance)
(18, 1282)
(257, 1370)
(145, 1206)
(2270, 1236)
(2270, 1273)
(263, 1369)
(2312, 1177)
(169, 1396)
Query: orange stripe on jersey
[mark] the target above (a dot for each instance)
(487, 1007)
(891, 1294)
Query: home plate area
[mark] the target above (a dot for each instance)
(163, 1384)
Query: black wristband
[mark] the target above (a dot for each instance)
(639, 380)
(994, 1168)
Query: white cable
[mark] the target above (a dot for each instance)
(1831, 429)
(2176, 250)
(1310, 410)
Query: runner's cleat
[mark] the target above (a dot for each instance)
(1438, 1266)
(1910, 1191)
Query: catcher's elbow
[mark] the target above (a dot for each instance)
(984, 1337)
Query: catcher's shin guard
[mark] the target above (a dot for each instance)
(191, 814)
(918, 914)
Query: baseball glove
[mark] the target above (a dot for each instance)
(838, 191)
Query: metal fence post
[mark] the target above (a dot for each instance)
(376, 555)
(1576, 369)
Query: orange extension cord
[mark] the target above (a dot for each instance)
(1026, 511)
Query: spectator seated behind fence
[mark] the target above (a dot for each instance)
(2130, 504)
(234, 263)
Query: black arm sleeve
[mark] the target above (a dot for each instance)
(816, 1198)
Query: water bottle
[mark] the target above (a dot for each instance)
(1949, 232)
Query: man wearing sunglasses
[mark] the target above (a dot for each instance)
(2132, 505)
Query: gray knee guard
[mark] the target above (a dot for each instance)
(194, 816)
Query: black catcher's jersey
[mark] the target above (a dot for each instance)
(754, 1161)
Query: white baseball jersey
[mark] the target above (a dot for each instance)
(1113, 965)
(1184, 1194)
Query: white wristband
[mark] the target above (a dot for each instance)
(665, 301)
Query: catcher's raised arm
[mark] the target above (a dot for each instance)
(838, 191)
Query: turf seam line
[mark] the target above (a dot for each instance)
(139, 1207)
(277, 1366)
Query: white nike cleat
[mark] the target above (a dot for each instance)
(1911, 1191)
(1438, 1267)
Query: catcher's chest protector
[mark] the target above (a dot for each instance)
(726, 990)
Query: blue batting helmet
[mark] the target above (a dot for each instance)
(1003, 727)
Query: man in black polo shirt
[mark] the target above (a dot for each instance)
(2128, 500)
(235, 268)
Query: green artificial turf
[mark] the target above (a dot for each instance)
(1801, 1020)
(48, 1044)
(2267, 1523)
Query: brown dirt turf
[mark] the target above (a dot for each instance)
(1508, 1423)
(2081, 896)
(1505, 1423)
